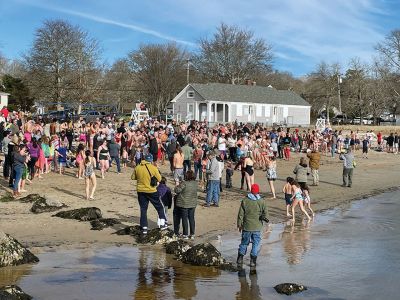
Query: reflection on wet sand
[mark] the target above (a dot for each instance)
(248, 291)
(295, 241)
(156, 271)
(11, 275)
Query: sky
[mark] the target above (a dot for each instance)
(302, 33)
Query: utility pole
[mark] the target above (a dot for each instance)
(339, 81)
(187, 70)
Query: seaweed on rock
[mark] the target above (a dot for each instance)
(12, 253)
(82, 214)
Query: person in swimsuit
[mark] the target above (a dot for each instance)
(297, 198)
(80, 156)
(90, 176)
(103, 156)
(271, 174)
(249, 171)
(307, 199)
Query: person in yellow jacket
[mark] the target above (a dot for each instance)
(147, 177)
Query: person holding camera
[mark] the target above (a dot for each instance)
(147, 177)
(252, 213)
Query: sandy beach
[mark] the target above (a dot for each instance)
(116, 197)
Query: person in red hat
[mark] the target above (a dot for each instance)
(252, 214)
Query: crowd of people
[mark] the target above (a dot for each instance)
(199, 156)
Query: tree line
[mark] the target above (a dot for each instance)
(64, 65)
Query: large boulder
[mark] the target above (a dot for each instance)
(13, 292)
(100, 224)
(42, 205)
(289, 288)
(177, 248)
(12, 253)
(203, 255)
(82, 214)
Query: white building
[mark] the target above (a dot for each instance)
(217, 102)
(3, 99)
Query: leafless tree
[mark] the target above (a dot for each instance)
(389, 68)
(161, 73)
(62, 63)
(232, 55)
(321, 87)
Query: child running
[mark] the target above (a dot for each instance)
(287, 190)
(297, 198)
(307, 199)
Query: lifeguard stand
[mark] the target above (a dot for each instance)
(140, 113)
(320, 125)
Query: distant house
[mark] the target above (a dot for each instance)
(217, 102)
(4, 99)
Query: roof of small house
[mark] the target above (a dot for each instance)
(247, 94)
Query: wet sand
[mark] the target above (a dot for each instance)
(116, 197)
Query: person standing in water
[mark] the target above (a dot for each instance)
(252, 213)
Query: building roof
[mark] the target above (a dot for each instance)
(247, 94)
(4, 94)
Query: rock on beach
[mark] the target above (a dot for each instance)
(289, 288)
(12, 253)
(82, 214)
(203, 255)
(13, 292)
(42, 205)
(100, 224)
(177, 248)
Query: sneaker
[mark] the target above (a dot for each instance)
(144, 230)
(191, 236)
(185, 237)
(164, 227)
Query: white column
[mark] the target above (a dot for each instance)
(208, 111)
(215, 112)
(223, 113)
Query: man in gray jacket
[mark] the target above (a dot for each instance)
(213, 173)
(348, 166)
(114, 149)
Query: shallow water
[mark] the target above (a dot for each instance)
(351, 252)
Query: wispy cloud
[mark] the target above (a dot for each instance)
(113, 22)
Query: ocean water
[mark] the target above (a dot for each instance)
(352, 252)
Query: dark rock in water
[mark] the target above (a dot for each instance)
(100, 224)
(30, 198)
(289, 288)
(13, 292)
(156, 236)
(12, 253)
(229, 267)
(203, 255)
(153, 236)
(82, 214)
(177, 247)
(46, 205)
(130, 230)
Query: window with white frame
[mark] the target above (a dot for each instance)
(190, 94)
